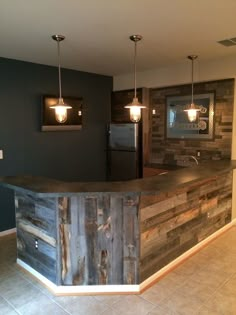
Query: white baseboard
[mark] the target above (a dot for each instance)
(80, 289)
(8, 232)
(123, 289)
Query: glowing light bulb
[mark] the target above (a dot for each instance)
(61, 114)
(135, 113)
(192, 112)
(60, 111)
(192, 115)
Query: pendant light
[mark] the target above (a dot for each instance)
(60, 107)
(135, 107)
(192, 110)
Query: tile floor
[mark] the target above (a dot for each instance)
(204, 284)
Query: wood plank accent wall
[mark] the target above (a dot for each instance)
(100, 243)
(120, 114)
(174, 151)
(173, 222)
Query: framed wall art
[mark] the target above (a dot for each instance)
(74, 114)
(177, 124)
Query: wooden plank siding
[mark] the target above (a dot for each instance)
(170, 226)
(36, 222)
(174, 151)
(121, 237)
(104, 240)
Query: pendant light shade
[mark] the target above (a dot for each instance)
(192, 109)
(135, 107)
(60, 108)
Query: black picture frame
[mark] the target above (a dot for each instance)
(74, 115)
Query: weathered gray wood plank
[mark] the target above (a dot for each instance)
(131, 240)
(117, 239)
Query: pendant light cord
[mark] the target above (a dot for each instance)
(59, 67)
(135, 52)
(192, 82)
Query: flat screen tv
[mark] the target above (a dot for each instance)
(74, 114)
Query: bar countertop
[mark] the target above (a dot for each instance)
(160, 183)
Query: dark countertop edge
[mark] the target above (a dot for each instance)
(42, 186)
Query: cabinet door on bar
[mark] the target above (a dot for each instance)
(119, 99)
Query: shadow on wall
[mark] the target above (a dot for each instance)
(6, 205)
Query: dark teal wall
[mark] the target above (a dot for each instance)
(67, 155)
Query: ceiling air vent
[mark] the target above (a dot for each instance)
(228, 42)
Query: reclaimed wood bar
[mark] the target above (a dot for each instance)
(114, 236)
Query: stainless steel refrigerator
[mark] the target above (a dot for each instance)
(124, 151)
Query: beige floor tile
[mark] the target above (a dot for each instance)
(212, 251)
(161, 311)
(41, 306)
(5, 308)
(226, 263)
(11, 283)
(229, 266)
(204, 310)
(66, 300)
(36, 283)
(209, 278)
(198, 259)
(230, 257)
(156, 311)
(110, 311)
(230, 235)
(20, 295)
(133, 305)
(233, 278)
(229, 288)
(188, 268)
(81, 305)
(156, 293)
(108, 299)
(44, 290)
(222, 303)
(182, 304)
(194, 289)
(173, 280)
(225, 246)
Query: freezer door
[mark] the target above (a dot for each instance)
(123, 165)
(123, 137)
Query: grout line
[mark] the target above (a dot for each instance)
(65, 310)
(9, 303)
(41, 292)
(48, 296)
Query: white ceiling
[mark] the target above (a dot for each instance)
(97, 32)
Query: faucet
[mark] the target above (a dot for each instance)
(194, 158)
